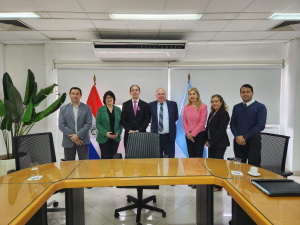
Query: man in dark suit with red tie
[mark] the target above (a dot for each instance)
(135, 116)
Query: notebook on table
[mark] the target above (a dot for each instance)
(277, 188)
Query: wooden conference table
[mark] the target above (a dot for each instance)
(21, 199)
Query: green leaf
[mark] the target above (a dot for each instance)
(29, 87)
(28, 112)
(33, 116)
(6, 82)
(7, 123)
(2, 109)
(52, 108)
(15, 102)
(43, 93)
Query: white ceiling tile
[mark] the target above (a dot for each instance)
(227, 5)
(200, 35)
(257, 35)
(20, 5)
(213, 25)
(44, 24)
(145, 36)
(115, 35)
(226, 36)
(59, 5)
(45, 15)
(143, 25)
(253, 16)
(85, 35)
(177, 25)
(97, 16)
(219, 16)
(250, 25)
(69, 15)
(110, 24)
(270, 5)
(187, 6)
(123, 6)
(22, 35)
(285, 35)
(58, 34)
(84, 25)
(171, 36)
(295, 8)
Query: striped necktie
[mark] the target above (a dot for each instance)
(161, 113)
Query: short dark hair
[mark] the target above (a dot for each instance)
(75, 88)
(111, 94)
(134, 85)
(246, 86)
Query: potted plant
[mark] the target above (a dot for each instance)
(17, 117)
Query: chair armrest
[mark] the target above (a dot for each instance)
(230, 158)
(65, 160)
(11, 171)
(117, 156)
(285, 173)
(165, 156)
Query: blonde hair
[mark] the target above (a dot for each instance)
(199, 102)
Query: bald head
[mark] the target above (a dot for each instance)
(160, 95)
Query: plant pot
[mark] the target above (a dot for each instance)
(6, 165)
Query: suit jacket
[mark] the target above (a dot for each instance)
(67, 123)
(217, 129)
(139, 122)
(103, 124)
(173, 117)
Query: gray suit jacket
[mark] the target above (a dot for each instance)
(67, 123)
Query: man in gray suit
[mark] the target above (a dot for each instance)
(75, 120)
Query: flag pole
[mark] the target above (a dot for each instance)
(94, 79)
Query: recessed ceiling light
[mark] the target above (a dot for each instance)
(17, 15)
(285, 16)
(155, 16)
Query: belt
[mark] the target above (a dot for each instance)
(164, 133)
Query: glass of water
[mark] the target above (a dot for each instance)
(34, 170)
(237, 162)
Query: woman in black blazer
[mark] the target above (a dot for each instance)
(216, 135)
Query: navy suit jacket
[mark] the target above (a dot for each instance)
(173, 117)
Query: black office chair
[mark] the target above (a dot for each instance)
(141, 145)
(268, 151)
(36, 148)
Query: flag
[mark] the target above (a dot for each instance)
(94, 102)
(180, 133)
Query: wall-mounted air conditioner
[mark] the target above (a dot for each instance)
(139, 50)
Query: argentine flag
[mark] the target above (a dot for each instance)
(180, 134)
(94, 102)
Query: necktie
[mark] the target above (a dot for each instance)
(161, 113)
(134, 108)
(245, 105)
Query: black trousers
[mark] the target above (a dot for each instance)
(242, 151)
(216, 153)
(167, 147)
(109, 149)
(195, 149)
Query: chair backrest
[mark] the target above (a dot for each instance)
(142, 145)
(273, 151)
(34, 148)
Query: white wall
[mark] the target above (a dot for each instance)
(18, 59)
(290, 121)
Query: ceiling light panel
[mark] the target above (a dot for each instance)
(155, 16)
(285, 16)
(17, 15)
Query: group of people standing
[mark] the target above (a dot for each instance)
(247, 118)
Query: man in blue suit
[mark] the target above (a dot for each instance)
(164, 115)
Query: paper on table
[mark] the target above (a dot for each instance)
(237, 173)
(35, 178)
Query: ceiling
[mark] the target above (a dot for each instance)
(223, 21)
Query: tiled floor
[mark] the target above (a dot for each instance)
(178, 201)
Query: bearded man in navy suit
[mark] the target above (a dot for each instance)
(164, 115)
